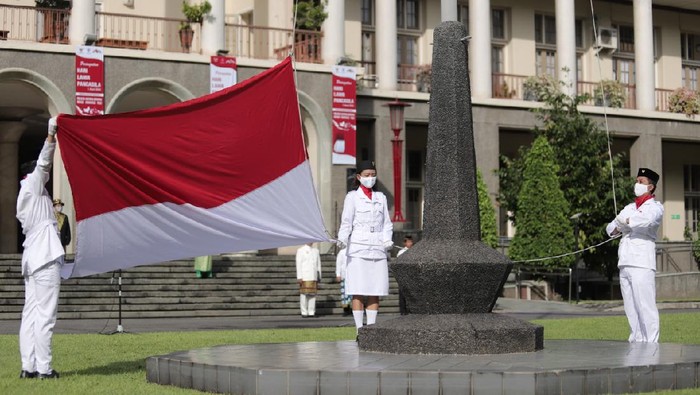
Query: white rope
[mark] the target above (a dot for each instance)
(605, 107)
(568, 253)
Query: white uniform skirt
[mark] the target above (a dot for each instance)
(367, 277)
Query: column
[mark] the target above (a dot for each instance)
(10, 133)
(647, 151)
(213, 31)
(644, 55)
(448, 10)
(82, 20)
(566, 44)
(387, 58)
(480, 48)
(334, 32)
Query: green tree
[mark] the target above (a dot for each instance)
(581, 152)
(544, 228)
(489, 226)
(310, 14)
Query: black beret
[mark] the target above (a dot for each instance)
(366, 165)
(648, 173)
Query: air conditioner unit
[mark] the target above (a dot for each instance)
(607, 38)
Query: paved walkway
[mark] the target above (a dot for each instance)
(523, 309)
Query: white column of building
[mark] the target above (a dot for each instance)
(448, 10)
(387, 58)
(213, 32)
(82, 20)
(566, 44)
(480, 47)
(644, 55)
(334, 32)
(10, 133)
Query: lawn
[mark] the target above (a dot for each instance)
(99, 364)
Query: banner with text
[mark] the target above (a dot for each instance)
(223, 72)
(89, 80)
(344, 115)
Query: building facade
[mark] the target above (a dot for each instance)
(651, 48)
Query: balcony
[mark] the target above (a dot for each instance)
(23, 23)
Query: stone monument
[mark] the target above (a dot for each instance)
(450, 279)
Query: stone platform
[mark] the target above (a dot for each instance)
(562, 367)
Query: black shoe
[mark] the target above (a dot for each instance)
(52, 375)
(27, 375)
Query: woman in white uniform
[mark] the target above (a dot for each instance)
(366, 231)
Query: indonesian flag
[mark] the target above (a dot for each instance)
(226, 172)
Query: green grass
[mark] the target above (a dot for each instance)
(99, 364)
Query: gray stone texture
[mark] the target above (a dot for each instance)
(453, 334)
(450, 272)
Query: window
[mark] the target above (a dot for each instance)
(497, 59)
(545, 29)
(690, 46)
(546, 62)
(691, 187)
(579, 33)
(463, 15)
(625, 36)
(498, 24)
(367, 12)
(407, 14)
(623, 69)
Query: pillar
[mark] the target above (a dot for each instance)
(448, 10)
(334, 32)
(10, 133)
(566, 44)
(646, 151)
(644, 55)
(82, 20)
(480, 48)
(387, 58)
(213, 37)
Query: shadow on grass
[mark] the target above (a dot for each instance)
(113, 368)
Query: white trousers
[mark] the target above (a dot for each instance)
(638, 286)
(308, 304)
(41, 290)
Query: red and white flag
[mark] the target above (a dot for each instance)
(226, 172)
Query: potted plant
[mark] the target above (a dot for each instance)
(538, 87)
(423, 78)
(194, 13)
(614, 92)
(684, 101)
(56, 15)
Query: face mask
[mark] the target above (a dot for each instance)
(58, 209)
(640, 189)
(368, 182)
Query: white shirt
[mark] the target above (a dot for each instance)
(308, 263)
(365, 225)
(35, 212)
(638, 243)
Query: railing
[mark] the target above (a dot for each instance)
(662, 96)
(508, 86)
(406, 76)
(272, 43)
(34, 24)
(590, 88)
(137, 32)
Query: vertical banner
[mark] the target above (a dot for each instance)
(89, 80)
(344, 115)
(223, 72)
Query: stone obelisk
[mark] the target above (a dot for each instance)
(450, 279)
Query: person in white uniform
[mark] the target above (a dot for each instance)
(308, 274)
(41, 263)
(366, 231)
(639, 223)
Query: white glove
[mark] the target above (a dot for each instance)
(53, 126)
(621, 221)
(388, 245)
(340, 244)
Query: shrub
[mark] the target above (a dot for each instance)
(424, 77)
(489, 226)
(539, 87)
(194, 13)
(684, 101)
(614, 92)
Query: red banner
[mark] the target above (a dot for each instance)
(89, 80)
(344, 115)
(223, 72)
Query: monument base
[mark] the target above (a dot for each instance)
(452, 334)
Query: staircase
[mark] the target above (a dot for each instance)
(242, 286)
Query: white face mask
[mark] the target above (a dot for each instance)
(640, 189)
(368, 182)
(58, 209)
